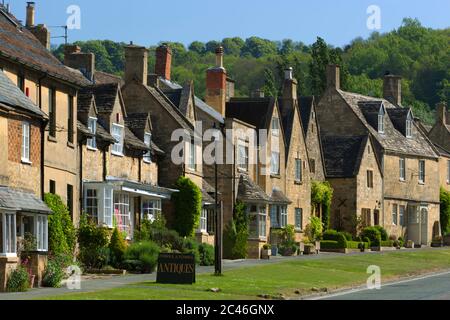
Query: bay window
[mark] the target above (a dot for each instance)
(107, 207)
(258, 217)
(151, 209)
(117, 133)
(41, 233)
(122, 216)
(8, 233)
(278, 216)
(91, 204)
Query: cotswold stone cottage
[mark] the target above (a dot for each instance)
(408, 161)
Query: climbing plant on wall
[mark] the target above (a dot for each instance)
(321, 196)
(188, 206)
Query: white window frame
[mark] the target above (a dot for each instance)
(148, 143)
(192, 156)
(275, 163)
(150, 208)
(381, 120)
(26, 136)
(409, 126)
(41, 233)
(122, 212)
(91, 207)
(298, 221)
(402, 168)
(9, 247)
(298, 170)
(203, 227)
(117, 148)
(259, 213)
(422, 171)
(108, 206)
(243, 162)
(395, 214)
(275, 127)
(92, 126)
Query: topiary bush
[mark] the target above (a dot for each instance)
(53, 274)
(207, 256)
(117, 247)
(142, 257)
(18, 281)
(383, 233)
(373, 234)
(236, 234)
(93, 242)
(335, 236)
(188, 206)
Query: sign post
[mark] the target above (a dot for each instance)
(175, 268)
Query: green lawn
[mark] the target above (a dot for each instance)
(283, 278)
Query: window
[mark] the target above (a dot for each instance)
(107, 207)
(376, 217)
(298, 170)
(299, 219)
(402, 211)
(70, 199)
(70, 120)
(421, 171)
(243, 156)
(151, 209)
(8, 233)
(312, 165)
(409, 125)
(275, 127)
(21, 82)
(91, 206)
(381, 120)
(275, 163)
(448, 171)
(52, 112)
(369, 149)
(52, 187)
(395, 214)
(258, 225)
(204, 220)
(122, 212)
(192, 156)
(25, 142)
(369, 179)
(117, 133)
(148, 143)
(92, 126)
(41, 233)
(366, 217)
(278, 216)
(402, 165)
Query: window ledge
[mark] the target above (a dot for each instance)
(91, 149)
(26, 162)
(52, 139)
(275, 176)
(147, 161)
(299, 183)
(71, 145)
(260, 239)
(402, 180)
(421, 183)
(117, 154)
(299, 230)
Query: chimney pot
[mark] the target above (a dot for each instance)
(219, 56)
(30, 14)
(288, 73)
(333, 76)
(442, 112)
(392, 89)
(163, 63)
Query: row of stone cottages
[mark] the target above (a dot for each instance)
(103, 144)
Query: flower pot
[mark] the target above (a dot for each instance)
(309, 249)
(265, 254)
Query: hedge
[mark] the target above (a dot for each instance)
(388, 243)
(355, 245)
(330, 244)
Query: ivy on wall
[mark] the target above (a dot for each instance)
(188, 207)
(321, 196)
(445, 211)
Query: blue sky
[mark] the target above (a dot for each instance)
(148, 22)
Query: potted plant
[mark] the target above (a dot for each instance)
(266, 251)
(310, 248)
(362, 246)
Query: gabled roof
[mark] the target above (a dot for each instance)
(392, 139)
(305, 106)
(138, 120)
(250, 192)
(442, 151)
(132, 142)
(287, 118)
(105, 96)
(278, 197)
(101, 77)
(12, 96)
(20, 45)
(16, 200)
(343, 154)
(255, 111)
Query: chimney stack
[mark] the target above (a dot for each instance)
(290, 86)
(85, 62)
(392, 89)
(334, 76)
(163, 63)
(30, 14)
(216, 84)
(442, 113)
(136, 64)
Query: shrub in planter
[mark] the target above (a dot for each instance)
(374, 236)
(206, 252)
(146, 252)
(53, 274)
(117, 247)
(18, 281)
(383, 233)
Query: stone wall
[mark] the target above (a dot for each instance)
(443, 172)
(314, 150)
(343, 206)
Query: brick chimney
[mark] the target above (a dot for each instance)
(392, 89)
(216, 84)
(85, 62)
(163, 63)
(334, 76)
(30, 15)
(442, 114)
(136, 64)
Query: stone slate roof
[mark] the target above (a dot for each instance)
(106, 78)
(250, 192)
(254, 111)
(278, 197)
(392, 140)
(104, 135)
(207, 191)
(83, 130)
(287, 119)
(306, 104)
(19, 44)
(12, 96)
(132, 142)
(342, 155)
(136, 120)
(105, 96)
(85, 100)
(442, 151)
(12, 199)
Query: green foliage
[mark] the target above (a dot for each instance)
(236, 234)
(191, 246)
(142, 256)
(373, 234)
(188, 206)
(18, 280)
(53, 274)
(206, 252)
(321, 196)
(61, 231)
(287, 245)
(387, 243)
(117, 247)
(314, 229)
(339, 237)
(445, 211)
(158, 232)
(383, 233)
(93, 242)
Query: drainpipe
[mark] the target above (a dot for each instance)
(43, 125)
(81, 177)
(105, 170)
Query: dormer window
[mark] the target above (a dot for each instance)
(117, 133)
(275, 127)
(92, 126)
(148, 143)
(409, 125)
(381, 115)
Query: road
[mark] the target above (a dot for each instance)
(432, 287)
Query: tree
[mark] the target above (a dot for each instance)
(233, 46)
(198, 47)
(236, 233)
(270, 88)
(258, 47)
(188, 206)
(211, 46)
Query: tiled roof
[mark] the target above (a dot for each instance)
(305, 106)
(19, 44)
(136, 120)
(85, 100)
(254, 111)
(278, 197)
(250, 192)
(287, 118)
(342, 155)
(12, 199)
(392, 139)
(105, 96)
(83, 130)
(105, 78)
(12, 96)
(442, 151)
(132, 142)
(104, 135)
